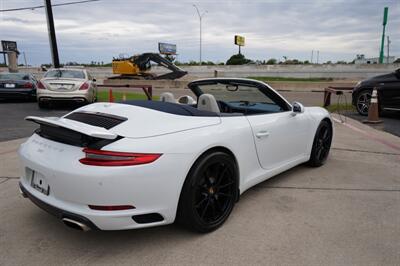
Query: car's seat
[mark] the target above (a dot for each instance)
(186, 99)
(207, 102)
(167, 97)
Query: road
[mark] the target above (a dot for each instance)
(344, 213)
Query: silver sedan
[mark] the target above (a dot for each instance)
(66, 84)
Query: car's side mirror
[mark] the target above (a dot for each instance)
(94, 80)
(297, 108)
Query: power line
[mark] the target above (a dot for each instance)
(42, 6)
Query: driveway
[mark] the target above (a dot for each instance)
(344, 213)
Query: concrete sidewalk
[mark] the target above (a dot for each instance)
(344, 213)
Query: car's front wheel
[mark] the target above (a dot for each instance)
(209, 192)
(321, 145)
(363, 101)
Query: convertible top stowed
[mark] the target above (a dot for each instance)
(171, 108)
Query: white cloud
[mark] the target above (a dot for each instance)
(100, 30)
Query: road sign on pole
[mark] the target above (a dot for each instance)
(385, 17)
(239, 41)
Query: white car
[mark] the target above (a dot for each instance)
(137, 164)
(66, 84)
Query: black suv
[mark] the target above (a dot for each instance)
(388, 92)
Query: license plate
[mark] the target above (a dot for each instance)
(39, 183)
(7, 85)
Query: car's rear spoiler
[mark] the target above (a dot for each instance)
(89, 130)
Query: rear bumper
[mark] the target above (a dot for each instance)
(74, 99)
(17, 93)
(152, 188)
(57, 212)
(76, 96)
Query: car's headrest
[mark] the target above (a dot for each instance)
(167, 97)
(186, 99)
(207, 102)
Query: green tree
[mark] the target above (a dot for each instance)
(238, 59)
(271, 61)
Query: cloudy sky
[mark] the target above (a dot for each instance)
(98, 31)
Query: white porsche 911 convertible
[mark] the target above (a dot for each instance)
(113, 166)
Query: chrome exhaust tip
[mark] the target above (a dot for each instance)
(75, 224)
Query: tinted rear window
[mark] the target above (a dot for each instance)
(65, 74)
(14, 76)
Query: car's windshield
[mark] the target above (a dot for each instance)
(241, 97)
(235, 93)
(78, 74)
(14, 76)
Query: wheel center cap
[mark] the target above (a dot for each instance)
(211, 190)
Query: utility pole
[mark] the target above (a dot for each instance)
(26, 64)
(385, 16)
(317, 56)
(312, 55)
(200, 18)
(52, 34)
(388, 44)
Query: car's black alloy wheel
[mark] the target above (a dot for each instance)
(321, 145)
(363, 102)
(209, 193)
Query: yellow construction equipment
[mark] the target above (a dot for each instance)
(138, 66)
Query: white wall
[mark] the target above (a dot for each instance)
(351, 72)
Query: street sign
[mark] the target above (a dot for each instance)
(167, 48)
(9, 46)
(239, 40)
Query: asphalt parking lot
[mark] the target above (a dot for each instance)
(390, 121)
(344, 213)
(13, 125)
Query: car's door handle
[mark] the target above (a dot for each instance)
(262, 134)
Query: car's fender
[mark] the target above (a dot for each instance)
(316, 115)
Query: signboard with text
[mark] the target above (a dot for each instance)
(239, 40)
(9, 46)
(167, 48)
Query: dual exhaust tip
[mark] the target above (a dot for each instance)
(75, 224)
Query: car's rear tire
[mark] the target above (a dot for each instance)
(363, 101)
(321, 145)
(209, 192)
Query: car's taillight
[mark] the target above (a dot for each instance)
(41, 86)
(84, 86)
(112, 158)
(28, 85)
(111, 207)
